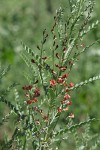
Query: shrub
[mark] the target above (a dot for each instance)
(49, 89)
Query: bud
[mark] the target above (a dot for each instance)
(56, 47)
(33, 61)
(38, 47)
(59, 110)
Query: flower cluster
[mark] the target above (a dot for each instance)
(30, 101)
(33, 99)
(36, 92)
(60, 80)
(61, 67)
(27, 88)
(31, 95)
(65, 102)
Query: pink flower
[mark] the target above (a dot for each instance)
(69, 103)
(64, 76)
(60, 80)
(37, 92)
(52, 83)
(29, 102)
(71, 115)
(63, 68)
(59, 109)
(71, 84)
(66, 97)
(66, 109)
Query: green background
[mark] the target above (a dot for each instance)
(24, 20)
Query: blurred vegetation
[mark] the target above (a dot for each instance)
(24, 21)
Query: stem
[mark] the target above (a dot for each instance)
(70, 5)
(41, 77)
(40, 67)
(53, 58)
(24, 146)
(77, 17)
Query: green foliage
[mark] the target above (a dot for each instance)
(4, 71)
(81, 139)
(78, 85)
